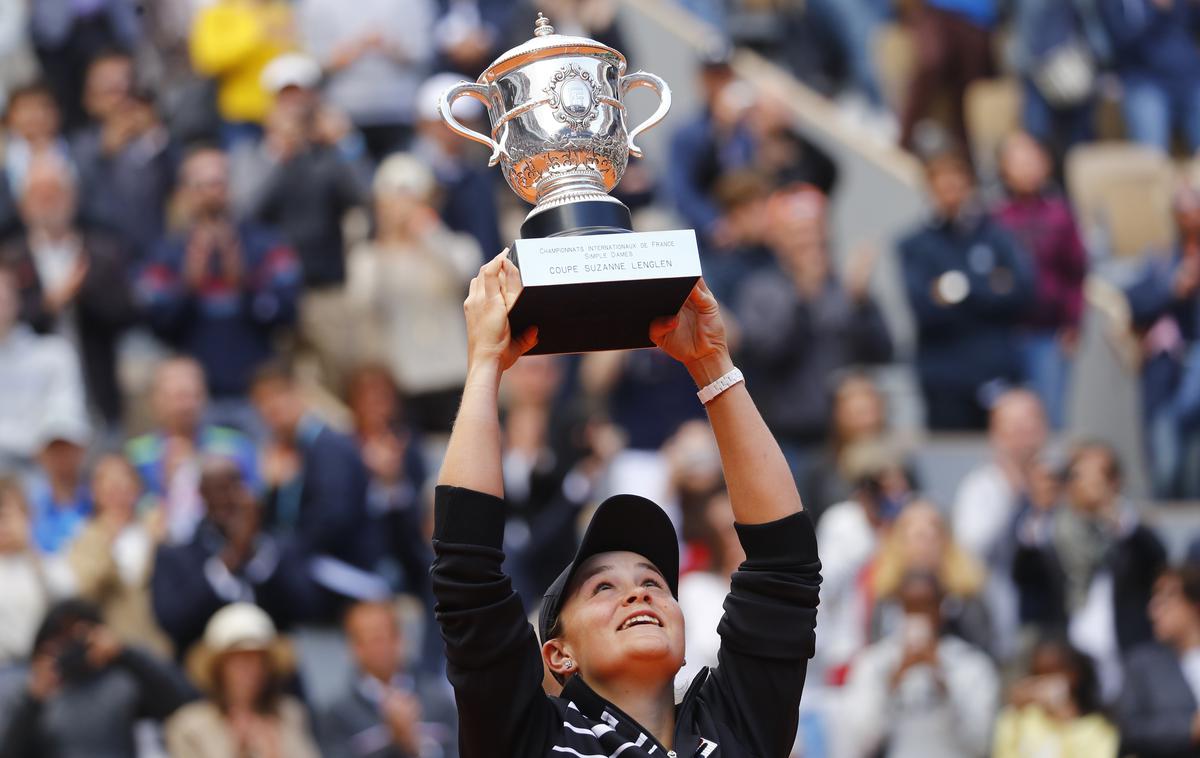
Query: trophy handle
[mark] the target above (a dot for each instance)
(644, 79)
(480, 93)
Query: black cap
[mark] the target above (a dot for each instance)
(621, 523)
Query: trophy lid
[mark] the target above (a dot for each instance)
(546, 43)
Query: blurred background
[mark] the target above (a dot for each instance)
(957, 243)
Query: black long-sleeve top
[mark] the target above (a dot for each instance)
(746, 706)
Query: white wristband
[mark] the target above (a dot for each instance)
(720, 385)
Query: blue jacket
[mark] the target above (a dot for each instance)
(698, 157)
(1151, 42)
(227, 329)
(1151, 297)
(969, 343)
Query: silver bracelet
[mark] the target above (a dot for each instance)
(720, 385)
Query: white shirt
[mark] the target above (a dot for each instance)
(40, 385)
(702, 600)
(848, 542)
(984, 507)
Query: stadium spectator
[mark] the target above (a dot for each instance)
(40, 382)
(408, 283)
(75, 279)
(919, 691)
(375, 55)
(30, 584)
(1158, 59)
(920, 541)
(316, 504)
(69, 35)
(58, 491)
(242, 666)
(702, 592)
(969, 284)
(800, 323)
(113, 556)
(882, 484)
(1165, 306)
(467, 188)
(232, 41)
(858, 415)
(1087, 569)
(1040, 219)
(304, 190)
(125, 157)
(219, 290)
(32, 129)
(1159, 708)
(1055, 709)
(167, 458)
(953, 40)
(391, 451)
(229, 559)
(86, 690)
(742, 198)
(386, 711)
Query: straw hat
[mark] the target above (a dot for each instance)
(236, 628)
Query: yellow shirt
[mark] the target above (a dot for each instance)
(1032, 733)
(232, 41)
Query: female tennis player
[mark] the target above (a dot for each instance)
(611, 626)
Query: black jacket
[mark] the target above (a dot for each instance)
(746, 706)
(1156, 707)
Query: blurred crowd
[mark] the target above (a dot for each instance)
(235, 237)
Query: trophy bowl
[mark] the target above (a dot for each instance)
(559, 132)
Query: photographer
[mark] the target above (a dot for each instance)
(86, 690)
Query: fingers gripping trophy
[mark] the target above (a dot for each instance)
(559, 133)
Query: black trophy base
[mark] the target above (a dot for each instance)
(592, 316)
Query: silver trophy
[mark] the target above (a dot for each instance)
(559, 134)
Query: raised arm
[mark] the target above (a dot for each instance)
(473, 455)
(761, 487)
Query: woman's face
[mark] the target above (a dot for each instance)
(115, 490)
(1024, 165)
(858, 411)
(243, 676)
(1172, 616)
(922, 537)
(619, 618)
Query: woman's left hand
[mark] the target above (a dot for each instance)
(696, 336)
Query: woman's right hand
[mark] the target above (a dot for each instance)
(492, 294)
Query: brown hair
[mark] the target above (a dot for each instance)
(959, 573)
(268, 699)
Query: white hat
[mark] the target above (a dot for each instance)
(428, 95)
(401, 172)
(73, 429)
(237, 627)
(291, 70)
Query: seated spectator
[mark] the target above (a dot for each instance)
(113, 556)
(40, 382)
(242, 666)
(953, 41)
(918, 692)
(86, 691)
(702, 592)
(126, 158)
(375, 55)
(29, 583)
(882, 484)
(219, 290)
(1086, 570)
(1165, 306)
(58, 491)
(316, 504)
(800, 322)
(1158, 59)
(168, 458)
(75, 278)
(32, 129)
(1159, 709)
(392, 454)
(304, 187)
(229, 559)
(969, 285)
(782, 153)
(385, 711)
(1055, 709)
(920, 541)
(858, 415)
(469, 34)
(991, 494)
(232, 41)
(1040, 219)
(743, 199)
(467, 200)
(408, 284)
